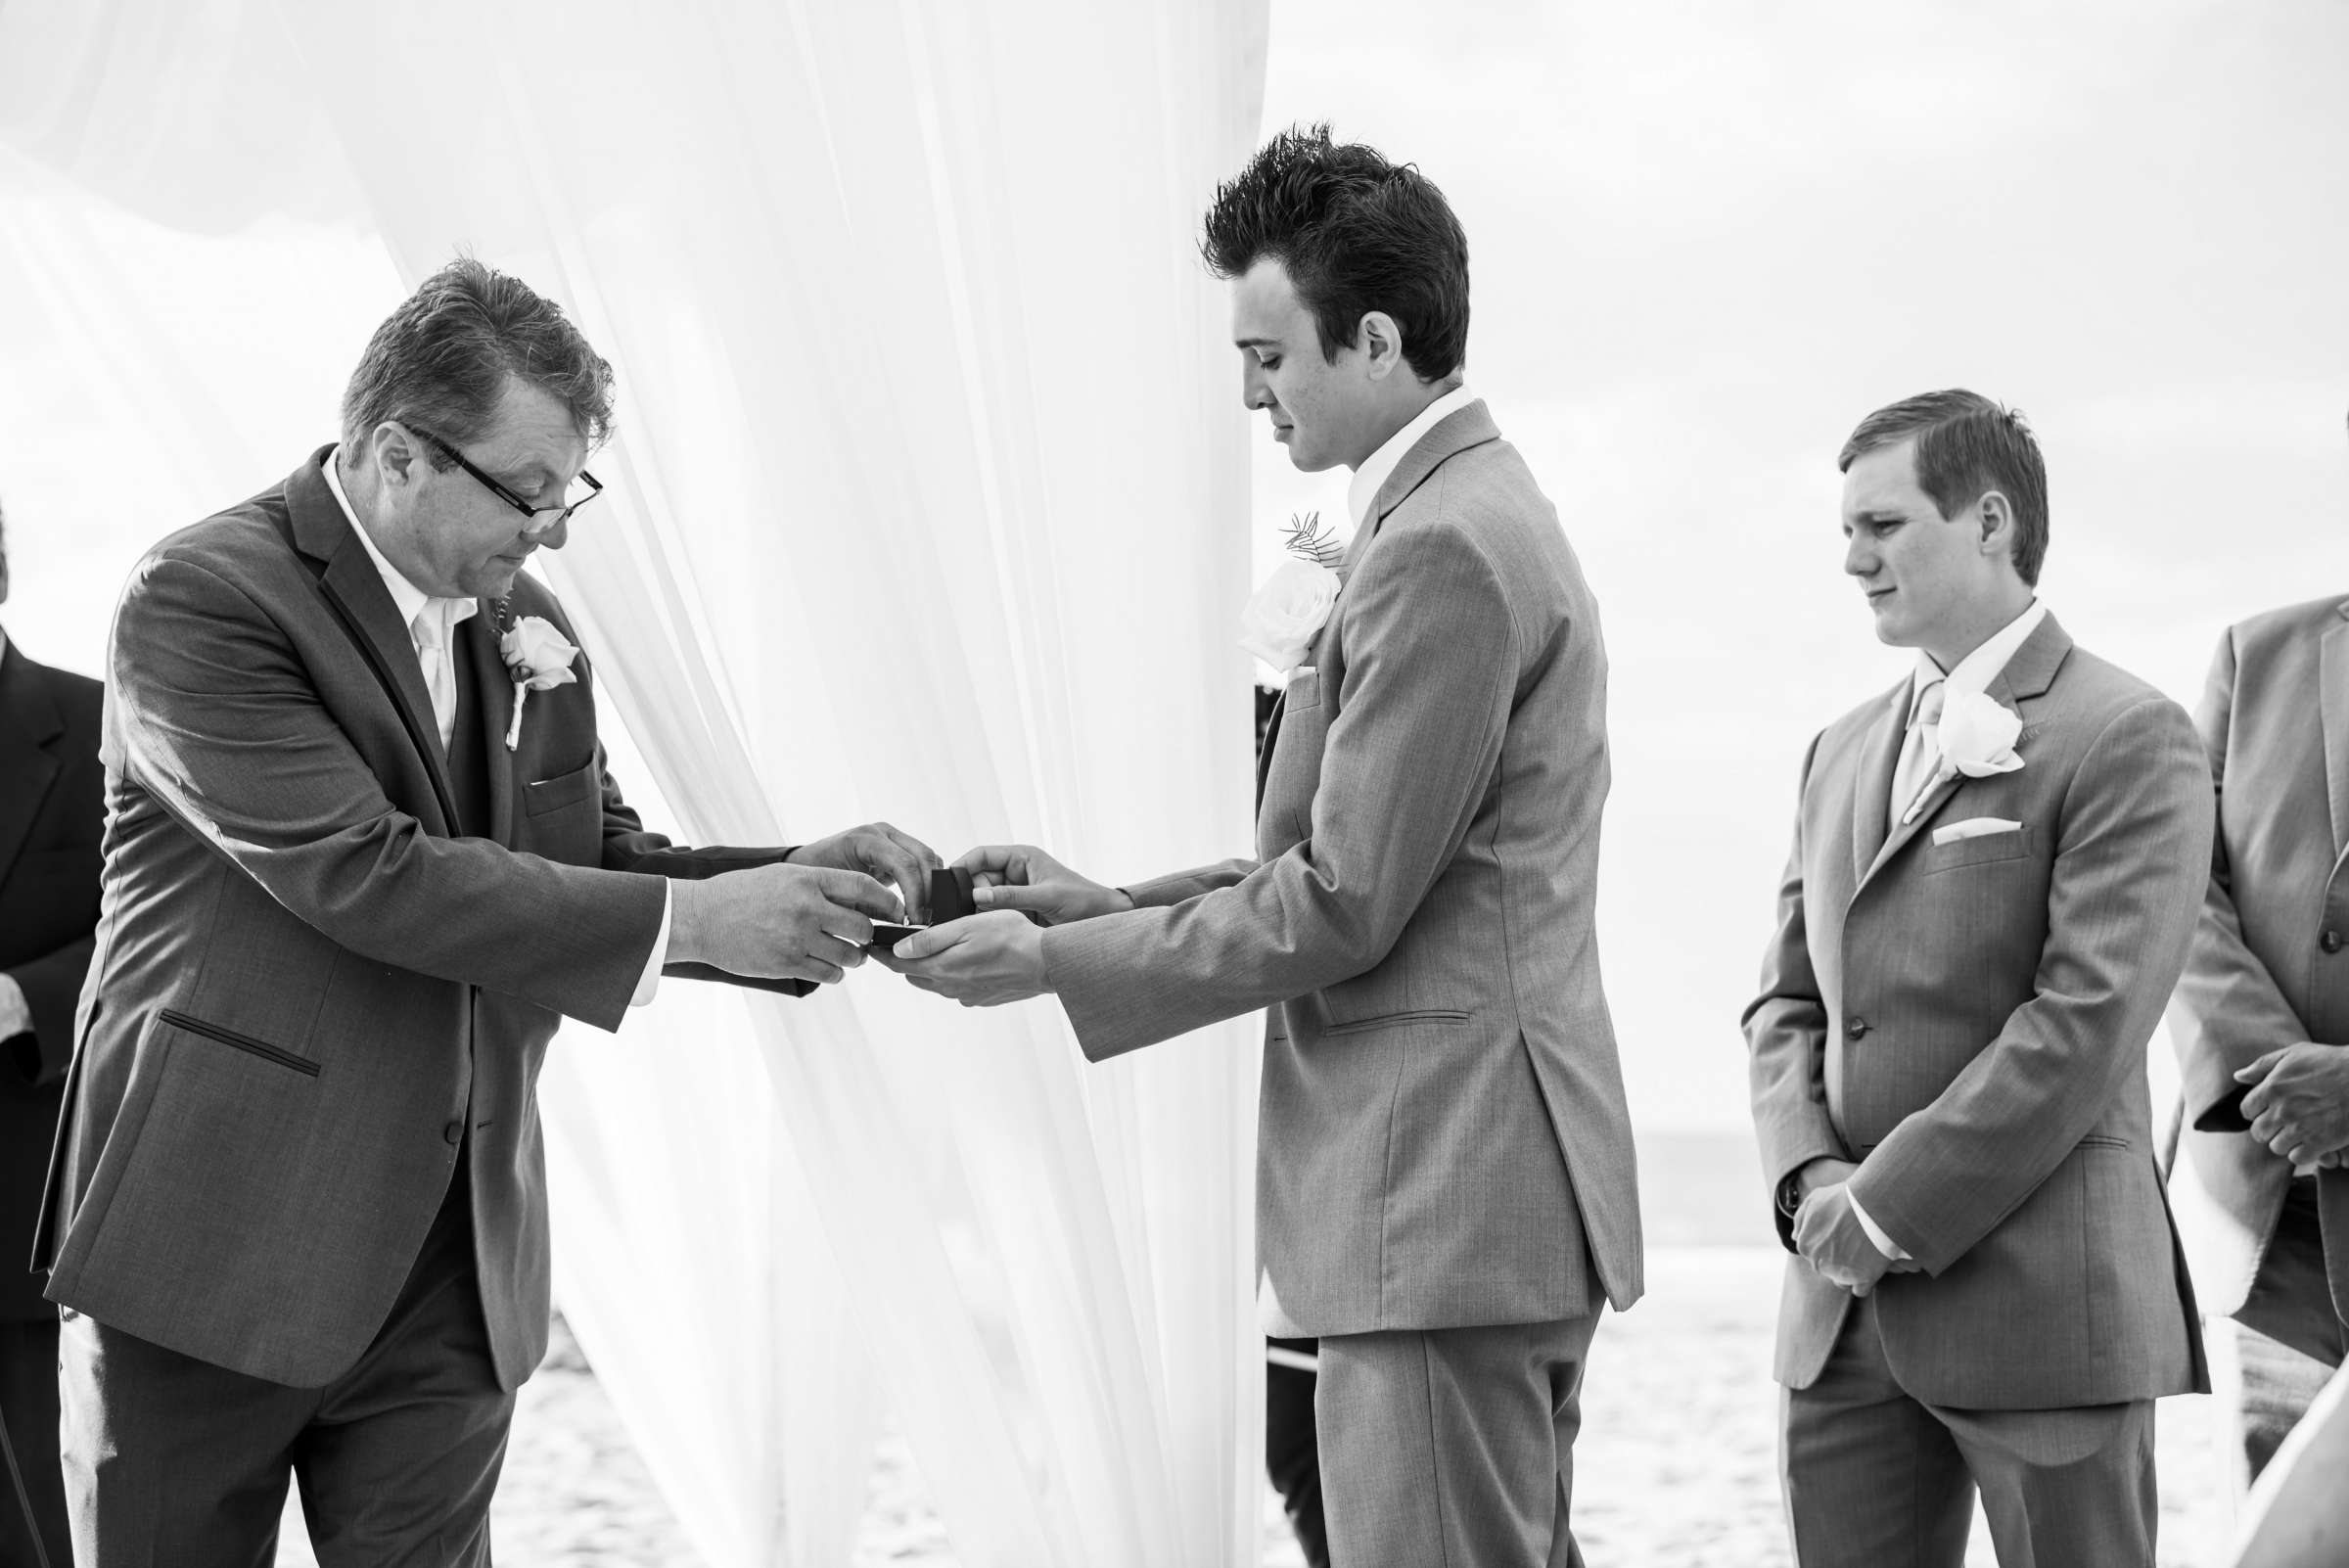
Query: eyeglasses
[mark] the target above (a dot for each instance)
(562, 514)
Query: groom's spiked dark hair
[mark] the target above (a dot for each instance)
(1966, 447)
(1355, 234)
(440, 360)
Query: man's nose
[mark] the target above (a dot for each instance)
(553, 537)
(1254, 393)
(1860, 557)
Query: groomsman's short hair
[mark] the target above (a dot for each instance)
(1968, 446)
(1355, 234)
(440, 362)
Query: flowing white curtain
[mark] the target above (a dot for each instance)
(929, 503)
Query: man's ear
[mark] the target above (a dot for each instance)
(396, 454)
(1382, 344)
(1998, 521)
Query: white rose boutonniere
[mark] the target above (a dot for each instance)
(1976, 738)
(1290, 610)
(539, 659)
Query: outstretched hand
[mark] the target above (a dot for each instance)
(982, 961)
(1021, 876)
(779, 922)
(882, 853)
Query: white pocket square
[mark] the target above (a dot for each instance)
(1974, 828)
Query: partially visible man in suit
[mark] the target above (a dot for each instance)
(2260, 1019)
(1991, 890)
(353, 880)
(51, 812)
(1445, 1180)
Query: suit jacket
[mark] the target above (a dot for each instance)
(308, 989)
(2270, 963)
(1993, 997)
(51, 815)
(1443, 1138)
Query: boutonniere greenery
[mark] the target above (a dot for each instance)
(1289, 611)
(537, 659)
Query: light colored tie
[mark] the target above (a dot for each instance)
(1920, 754)
(430, 629)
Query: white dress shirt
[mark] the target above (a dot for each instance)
(1380, 464)
(1973, 675)
(412, 603)
(15, 1013)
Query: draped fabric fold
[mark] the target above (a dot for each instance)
(928, 504)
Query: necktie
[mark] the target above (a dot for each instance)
(430, 629)
(1921, 753)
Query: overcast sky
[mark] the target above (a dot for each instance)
(1706, 240)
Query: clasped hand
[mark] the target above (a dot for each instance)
(997, 955)
(1829, 1237)
(2298, 1104)
(809, 917)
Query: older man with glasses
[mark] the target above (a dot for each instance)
(296, 1217)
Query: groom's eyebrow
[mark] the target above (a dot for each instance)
(1256, 343)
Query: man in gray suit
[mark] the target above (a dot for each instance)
(353, 880)
(2260, 1019)
(1446, 1191)
(1995, 871)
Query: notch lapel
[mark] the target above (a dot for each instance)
(2027, 677)
(493, 705)
(1871, 804)
(28, 722)
(2332, 705)
(355, 590)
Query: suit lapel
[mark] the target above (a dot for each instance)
(493, 707)
(1872, 803)
(28, 722)
(354, 589)
(2016, 688)
(2332, 704)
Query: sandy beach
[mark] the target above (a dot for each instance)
(1675, 1468)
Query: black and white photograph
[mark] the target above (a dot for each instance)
(1173, 784)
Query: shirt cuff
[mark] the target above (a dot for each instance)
(650, 981)
(15, 1013)
(1884, 1243)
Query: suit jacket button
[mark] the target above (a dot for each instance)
(1856, 1027)
(454, 1132)
(2331, 942)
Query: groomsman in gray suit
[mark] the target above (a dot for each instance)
(2261, 1015)
(1446, 1193)
(1994, 871)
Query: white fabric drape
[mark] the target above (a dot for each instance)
(928, 504)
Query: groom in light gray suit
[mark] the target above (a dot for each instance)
(1446, 1193)
(1995, 870)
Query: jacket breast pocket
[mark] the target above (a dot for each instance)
(1986, 848)
(563, 817)
(1304, 689)
(564, 789)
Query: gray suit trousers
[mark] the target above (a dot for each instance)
(1878, 1479)
(1451, 1448)
(172, 1460)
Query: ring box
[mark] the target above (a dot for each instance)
(949, 899)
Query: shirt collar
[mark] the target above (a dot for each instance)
(1977, 669)
(1380, 465)
(407, 598)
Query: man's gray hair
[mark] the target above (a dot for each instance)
(440, 361)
